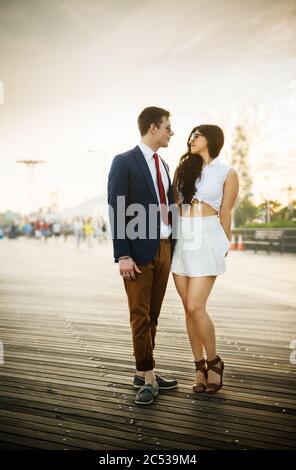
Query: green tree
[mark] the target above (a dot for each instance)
(245, 212)
(239, 161)
(275, 210)
(291, 210)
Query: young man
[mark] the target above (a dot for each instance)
(139, 180)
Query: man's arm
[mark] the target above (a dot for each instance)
(118, 187)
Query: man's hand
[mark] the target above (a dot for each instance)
(128, 269)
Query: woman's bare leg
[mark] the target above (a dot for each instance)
(198, 291)
(182, 283)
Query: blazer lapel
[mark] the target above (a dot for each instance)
(144, 166)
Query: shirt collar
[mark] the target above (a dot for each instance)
(214, 162)
(146, 151)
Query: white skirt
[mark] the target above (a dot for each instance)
(200, 248)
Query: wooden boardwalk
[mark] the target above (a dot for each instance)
(68, 365)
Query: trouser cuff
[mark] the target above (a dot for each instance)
(145, 365)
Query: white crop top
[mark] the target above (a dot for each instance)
(209, 188)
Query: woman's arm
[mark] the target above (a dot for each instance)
(177, 197)
(230, 192)
(174, 188)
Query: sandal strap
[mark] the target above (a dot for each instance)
(218, 370)
(211, 365)
(202, 362)
(200, 366)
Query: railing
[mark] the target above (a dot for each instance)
(282, 240)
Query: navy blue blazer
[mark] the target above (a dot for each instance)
(130, 178)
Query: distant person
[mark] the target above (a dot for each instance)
(104, 227)
(66, 230)
(205, 190)
(104, 232)
(88, 232)
(78, 231)
(37, 229)
(140, 176)
(27, 229)
(13, 232)
(97, 231)
(56, 230)
(45, 231)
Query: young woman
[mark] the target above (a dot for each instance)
(205, 191)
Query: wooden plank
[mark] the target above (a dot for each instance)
(68, 358)
(125, 393)
(170, 418)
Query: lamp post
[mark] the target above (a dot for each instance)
(290, 196)
(267, 194)
(31, 164)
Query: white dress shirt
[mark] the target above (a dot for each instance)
(165, 230)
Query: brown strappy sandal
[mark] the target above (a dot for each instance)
(200, 366)
(211, 365)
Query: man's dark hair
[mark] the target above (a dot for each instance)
(151, 115)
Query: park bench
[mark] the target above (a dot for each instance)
(289, 241)
(267, 239)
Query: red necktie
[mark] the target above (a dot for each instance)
(163, 203)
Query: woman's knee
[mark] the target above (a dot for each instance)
(194, 308)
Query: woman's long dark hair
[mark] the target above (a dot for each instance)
(190, 165)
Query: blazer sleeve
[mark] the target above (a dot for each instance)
(118, 182)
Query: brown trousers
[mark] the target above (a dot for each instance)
(145, 296)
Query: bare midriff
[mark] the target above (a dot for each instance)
(197, 209)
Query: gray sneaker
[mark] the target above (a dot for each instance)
(146, 394)
(163, 384)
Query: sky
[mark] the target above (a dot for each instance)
(75, 74)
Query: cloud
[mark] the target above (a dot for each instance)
(75, 70)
